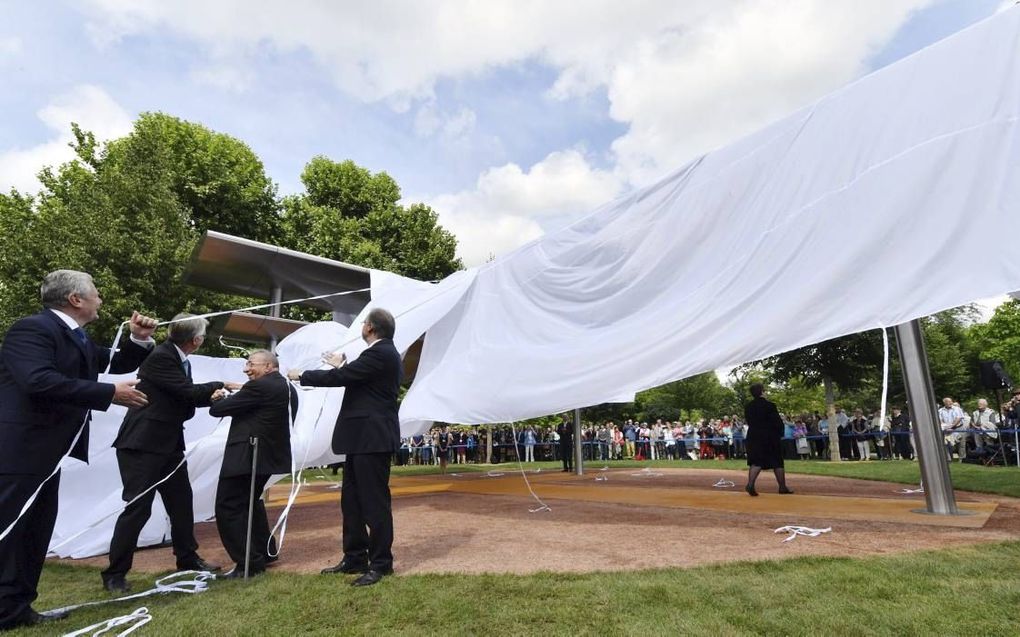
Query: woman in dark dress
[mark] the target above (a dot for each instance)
(764, 433)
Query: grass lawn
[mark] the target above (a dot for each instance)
(968, 477)
(970, 590)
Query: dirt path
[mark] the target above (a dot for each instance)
(443, 525)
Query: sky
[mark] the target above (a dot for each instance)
(509, 118)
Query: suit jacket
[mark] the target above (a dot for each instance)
(264, 408)
(47, 387)
(368, 421)
(159, 426)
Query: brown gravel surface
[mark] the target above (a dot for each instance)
(446, 531)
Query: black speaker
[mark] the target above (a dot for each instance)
(994, 376)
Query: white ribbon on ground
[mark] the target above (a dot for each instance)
(806, 531)
(646, 473)
(139, 617)
(908, 491)
(164, 585)
(524, 474)
(724, 484)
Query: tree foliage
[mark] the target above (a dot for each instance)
(351, 215)
(130, 212)
(999, 338)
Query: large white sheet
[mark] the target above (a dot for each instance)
(882, 202)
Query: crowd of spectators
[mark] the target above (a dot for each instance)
(862, 436)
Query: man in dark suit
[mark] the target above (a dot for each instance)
(368, 432)
(150, 447)
(764, 432)
(48, 372)
(262, 409)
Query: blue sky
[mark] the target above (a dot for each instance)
(508, 117)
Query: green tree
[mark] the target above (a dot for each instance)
(351, 215)
(702, 393)
(130, 212)
(999, 338)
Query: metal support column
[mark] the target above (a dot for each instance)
(578, 450)
(275, 296)
(931, 451)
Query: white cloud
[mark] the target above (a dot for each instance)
(10, 47)
(481, 236)
(455, 127)
(89, 106)
(503, 209)
(684, 77)
(226, 77)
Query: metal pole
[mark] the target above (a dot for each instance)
(578, 452)
(931, 453)
(275, 296)
(254, 442)
(488, 445)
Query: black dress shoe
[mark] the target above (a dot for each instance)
(371, 577)
(346, 567)
(32, 618)
(198, 564)
(116, 585)
(786, 491)
(750, 491)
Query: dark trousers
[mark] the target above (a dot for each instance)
(567, 455)
(232, 496)
(902, 442)
(23, 551)
(367, 516)
(139, 470)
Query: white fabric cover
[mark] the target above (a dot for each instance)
(893, 198)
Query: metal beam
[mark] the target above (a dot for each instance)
(931, 451)
(275, 296)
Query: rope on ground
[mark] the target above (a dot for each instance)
(139, 617)
(646, 473)
(724, 484)
(908, 491)
(495, 474)
(199, 583)
(806, 531)
(524, 474)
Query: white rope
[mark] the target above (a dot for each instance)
(907, 491)
(495, 474)
(724, 484)
(139, 618)
(885, 381)
(127, 504)
(197, 584)
(806, 531)
(524, 474)
(646, 473)
(296, 482)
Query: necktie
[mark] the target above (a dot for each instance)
(187, 368)
(80, 333)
